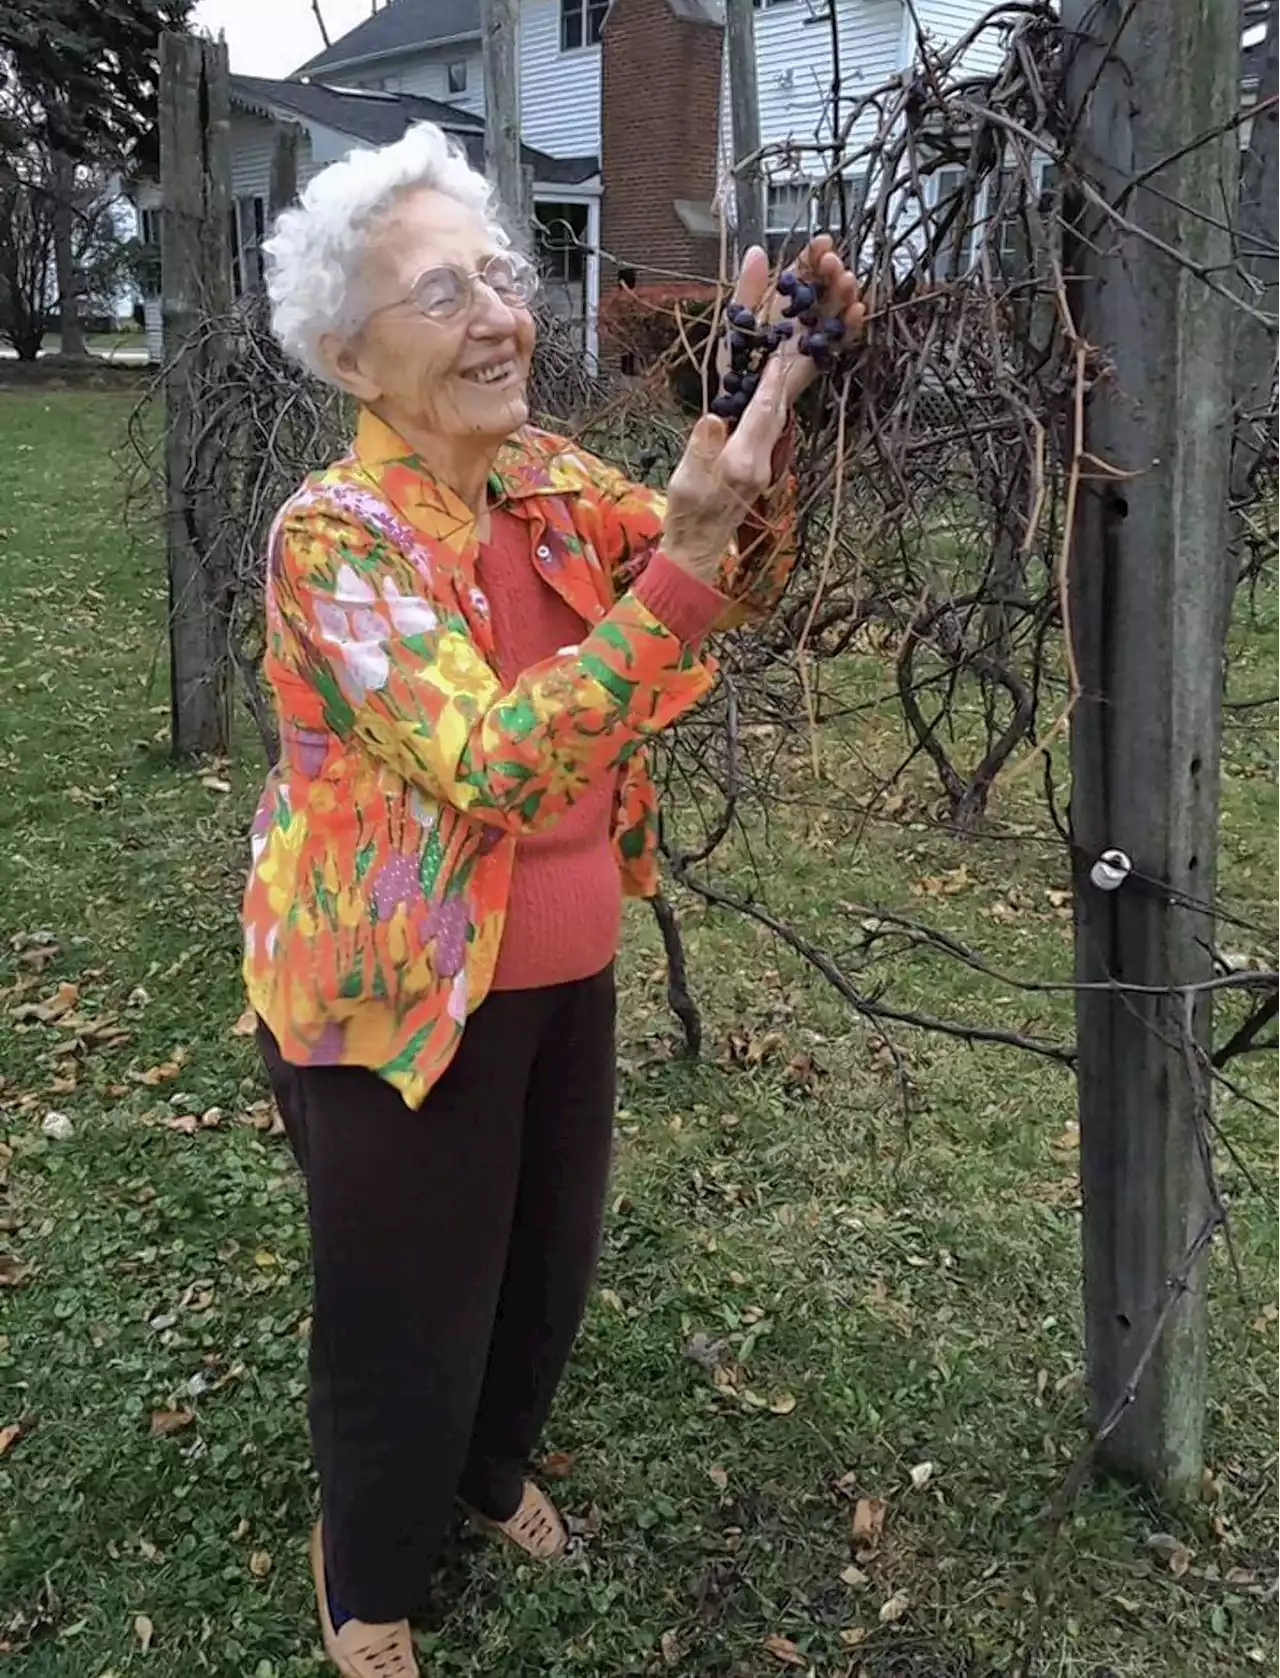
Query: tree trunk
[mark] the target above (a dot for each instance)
(64, 184)
(1148, 623)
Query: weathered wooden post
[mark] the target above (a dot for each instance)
(282, 188)
(195, 267)
(1147, 616)
(744, 106)
(500, 47)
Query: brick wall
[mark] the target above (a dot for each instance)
(659, 127)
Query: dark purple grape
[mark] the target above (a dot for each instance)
(787, 283)
(782, 330)
(726, 407)
(833, 327)
(732, 382)
(750, 384)
(740, 315)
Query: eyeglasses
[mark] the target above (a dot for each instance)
(446, 292)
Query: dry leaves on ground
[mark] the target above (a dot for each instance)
(170, 1421)
(866, 1525)
(894, 1608)
(784, 1650)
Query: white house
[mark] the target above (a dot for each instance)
(417, 60)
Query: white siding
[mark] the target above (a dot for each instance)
(559, 91)
(425, 73)
(945, 21)
(253, 141)
(794, 63)
(154, 328)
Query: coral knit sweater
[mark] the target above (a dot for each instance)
(565, 910)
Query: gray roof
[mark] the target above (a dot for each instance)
(399, 27)
(380, 118)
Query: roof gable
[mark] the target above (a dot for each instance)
(377, 119)
(397, 28)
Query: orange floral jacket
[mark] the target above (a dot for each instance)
(384, 841)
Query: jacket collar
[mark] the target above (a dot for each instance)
(520, 470)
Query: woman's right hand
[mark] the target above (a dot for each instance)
(720, 476)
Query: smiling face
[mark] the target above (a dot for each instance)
(452, 384)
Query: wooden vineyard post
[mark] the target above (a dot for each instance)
(744, 105)
(500, 44)
(1146, 612)
(196, 295)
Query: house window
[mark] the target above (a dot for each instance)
(246, 229)
(562, 244)
(581, 22)
(456, 76)
(788, 219)
(951, 222)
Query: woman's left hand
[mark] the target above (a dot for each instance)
(817, 264)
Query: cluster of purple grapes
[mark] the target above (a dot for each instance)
(751, 344)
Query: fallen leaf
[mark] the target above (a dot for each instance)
(12, 1274)
(246, 1025)
(784, 1650)
(944, 885)
(144, 1631)
(215, 783)
(9, 1436)
(782, 1404)
(558, 1465)
(921, 1475)
(160, 1074)
(854, 1577)
(1175, 1553)
(718, 1477)
(186, 1124)
(867, 1523)
(58, 1126)
(852, 1636)
(170, 1421)
(260, 1563)
(51, 1009)
(895, 1608)
(669, 1645)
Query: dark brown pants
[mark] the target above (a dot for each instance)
(453, 1251)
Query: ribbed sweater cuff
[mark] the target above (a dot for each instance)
(681, 602)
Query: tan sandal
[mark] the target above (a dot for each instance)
(535, 1528)
(357, 1649)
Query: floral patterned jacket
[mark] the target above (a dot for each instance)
(385, 837)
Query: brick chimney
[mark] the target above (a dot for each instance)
(659, 137)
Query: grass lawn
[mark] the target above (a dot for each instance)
(892, 1305)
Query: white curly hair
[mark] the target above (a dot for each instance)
(315, 251)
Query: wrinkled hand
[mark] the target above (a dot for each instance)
(720, 474)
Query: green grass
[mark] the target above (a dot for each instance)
(888, 1293)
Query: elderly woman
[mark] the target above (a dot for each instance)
(474, 628)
